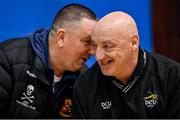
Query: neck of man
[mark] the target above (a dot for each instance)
(57, 67)
(58, 73)
(54, 52)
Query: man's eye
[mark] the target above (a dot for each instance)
(109, 48)
(106, 46)
(87, 42)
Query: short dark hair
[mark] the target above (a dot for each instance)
(71, 13)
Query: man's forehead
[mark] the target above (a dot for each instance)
(103, 40)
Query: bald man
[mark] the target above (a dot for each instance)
(126, 81)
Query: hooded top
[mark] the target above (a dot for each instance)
(39, 42)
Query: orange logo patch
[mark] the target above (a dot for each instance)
(66, 108)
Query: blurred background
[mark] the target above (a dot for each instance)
(157, 20)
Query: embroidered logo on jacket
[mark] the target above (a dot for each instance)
(106, 105)
(151, 100)
(31, 74)
(27, 98)
(66, 108)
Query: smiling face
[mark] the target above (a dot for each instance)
(75, 51)
(113, 51)
(116, 45)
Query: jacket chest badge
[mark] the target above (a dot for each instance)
(31, 74)
(106, 105)
(151, 99)
(27, 98)
(28, 95)
(66, 108)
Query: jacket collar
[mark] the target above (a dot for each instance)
(47, 75)
(43, 73)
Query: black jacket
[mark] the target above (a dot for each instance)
(26, 84)
(153, 91)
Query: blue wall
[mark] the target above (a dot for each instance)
(20, 17)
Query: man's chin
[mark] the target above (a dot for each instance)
(77, 69)
(106, 73)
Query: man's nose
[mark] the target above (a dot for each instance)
(99, 54)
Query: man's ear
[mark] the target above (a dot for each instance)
(134, 41)
(60, 35)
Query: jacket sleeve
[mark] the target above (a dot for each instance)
(79, 106)
(174, 93)
(5, 83)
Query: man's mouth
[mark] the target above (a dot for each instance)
(106, 62)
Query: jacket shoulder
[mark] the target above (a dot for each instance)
(90, 78)
(15, 50)
(163, 61)
(93, 72)
(163, 68)
(13, 43)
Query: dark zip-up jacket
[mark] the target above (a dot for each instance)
(26, 84)
(153, 91)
